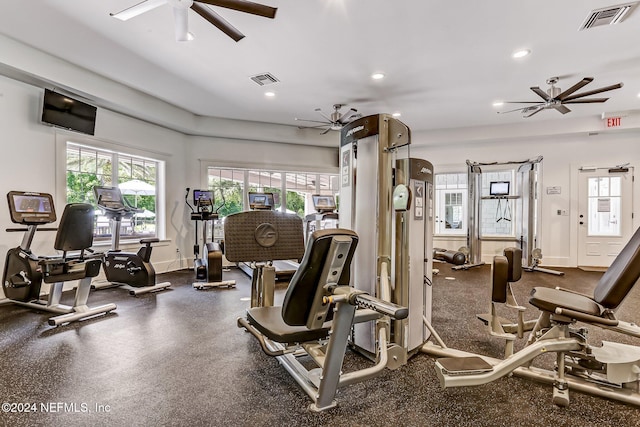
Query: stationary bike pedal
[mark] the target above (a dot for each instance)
(463, 365)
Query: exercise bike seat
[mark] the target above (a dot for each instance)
(75, 233)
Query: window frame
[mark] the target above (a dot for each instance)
(62, 138)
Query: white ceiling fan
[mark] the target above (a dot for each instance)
(180, 14)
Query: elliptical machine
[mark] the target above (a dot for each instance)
(208, 268)
(24, 272)
(133, 271)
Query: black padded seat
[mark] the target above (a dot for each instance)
(288, 324)
(548, 299)
(281, 332)
(612, 288)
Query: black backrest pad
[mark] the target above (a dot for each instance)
(620, 277)
(301, 291)
(499, 279)
(75, 231)
(514, 256)
(263, 236)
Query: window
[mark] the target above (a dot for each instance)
(604, 206)
(228, 189)
(451, 203)
(136, 177)
(292, 190)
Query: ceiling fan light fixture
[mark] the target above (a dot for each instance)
(521, 53)
(377, 76)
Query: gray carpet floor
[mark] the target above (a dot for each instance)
(177, 358)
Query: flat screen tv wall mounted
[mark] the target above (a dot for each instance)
(68, 113)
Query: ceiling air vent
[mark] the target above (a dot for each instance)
(608, 15)
(264, 79)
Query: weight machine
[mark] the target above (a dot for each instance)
(386, 196)
(524, 193)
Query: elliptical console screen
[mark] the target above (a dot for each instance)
(202, 198)
(323, 203)
(31, 208)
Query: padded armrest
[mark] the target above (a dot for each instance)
(149, 240)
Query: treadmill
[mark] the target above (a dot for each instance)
(284, 269)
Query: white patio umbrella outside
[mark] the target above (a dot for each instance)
(137, 188)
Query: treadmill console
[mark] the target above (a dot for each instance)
(31, 208)
(109, 198)
(261, 201)
(323, 204)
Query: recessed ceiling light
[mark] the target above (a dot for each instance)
(269, 94)
(377, 76)
(396, 114)
(520, 53)
(498, 104)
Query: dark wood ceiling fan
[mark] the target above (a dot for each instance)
(180, 14)
(556, 99)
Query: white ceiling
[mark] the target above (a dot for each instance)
(446, 62)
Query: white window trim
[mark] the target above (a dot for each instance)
(60, 199)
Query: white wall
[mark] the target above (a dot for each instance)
(563, 154)
(29, 155)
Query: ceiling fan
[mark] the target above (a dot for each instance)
(555, 98)
(180, 16)
(334, 121)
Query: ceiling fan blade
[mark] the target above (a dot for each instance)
(542, 94)
(522, 109)
(346, 116)
(324, 116)
(582, 83)
(138, 9)
(326, 131)
(593, 92)
(218, 21)
(313, 127)
(561, 108)
(521, 102)
(245, 6)
(181, 24)
(585, 101)
(536, 111)
(313, 121)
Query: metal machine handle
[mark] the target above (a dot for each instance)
(384, 307)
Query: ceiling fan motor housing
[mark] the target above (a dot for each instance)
(554, 91)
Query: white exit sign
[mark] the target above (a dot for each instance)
(613, 122)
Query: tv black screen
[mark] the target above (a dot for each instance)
(68, 113)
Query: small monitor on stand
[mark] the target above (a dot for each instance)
(323, 204)
(499, 188)
(259, 201)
